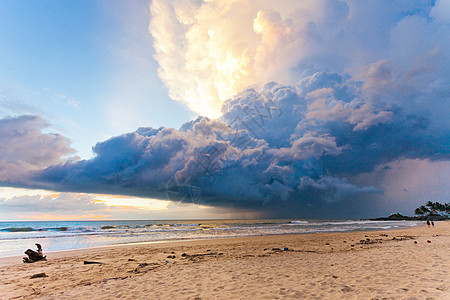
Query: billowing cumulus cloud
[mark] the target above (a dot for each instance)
(313, 99)
(210, 50)
(24, 148)
(284, 145)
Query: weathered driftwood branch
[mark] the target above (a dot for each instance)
(34, 256)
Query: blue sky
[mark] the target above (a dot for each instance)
(309, 109)
(86, 66)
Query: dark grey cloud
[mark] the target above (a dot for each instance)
(297, 146)
(370, 89)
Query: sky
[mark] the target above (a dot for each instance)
(223, 109)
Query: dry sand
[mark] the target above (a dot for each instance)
(395, 264)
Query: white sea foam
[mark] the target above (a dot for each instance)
(55, 236)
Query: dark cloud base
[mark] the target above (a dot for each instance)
(286, 151)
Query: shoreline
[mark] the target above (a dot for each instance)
(17, 259)
(394, 263)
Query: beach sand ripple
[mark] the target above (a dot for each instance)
(394, 264)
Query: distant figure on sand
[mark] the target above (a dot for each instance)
(432, 223)
(428, 223)
(34, 256)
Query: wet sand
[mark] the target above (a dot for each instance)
(393, 264)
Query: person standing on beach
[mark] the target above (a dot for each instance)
(428, 223)
(432, 224)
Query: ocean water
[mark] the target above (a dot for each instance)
(16, 237)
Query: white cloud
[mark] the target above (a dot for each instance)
(25, 148)
(208, 51)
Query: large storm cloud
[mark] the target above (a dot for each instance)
(312, 96)
(285, 145)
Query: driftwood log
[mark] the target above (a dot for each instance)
(34, 256)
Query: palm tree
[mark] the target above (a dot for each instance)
(431, 208)
(421, 210)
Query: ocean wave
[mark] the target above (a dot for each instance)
(45, 234)
(113, 232)
(18, 229)
(352, 222)
(108, 227)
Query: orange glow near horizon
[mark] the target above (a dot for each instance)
(50, 217)
(115, 196)
(98, 206)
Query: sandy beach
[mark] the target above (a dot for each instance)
(395, 264)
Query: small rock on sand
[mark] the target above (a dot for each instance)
(346, 289)
(38, 275)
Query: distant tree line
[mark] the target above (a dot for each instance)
(430, 211)
(434, 209)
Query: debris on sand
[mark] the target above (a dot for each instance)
(34, 256)
(38, 275)
(86, 262)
